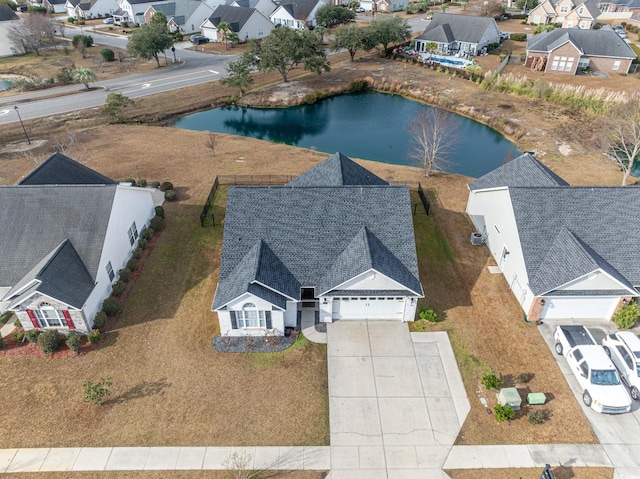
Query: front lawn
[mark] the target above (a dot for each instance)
(170, 387)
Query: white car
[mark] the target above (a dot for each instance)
(624, 350)
(108, 21)
(602, 390)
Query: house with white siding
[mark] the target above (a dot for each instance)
(184, 16)
(91, 9)
(72, 230)
(337, 241)
(266, 7)
(7, 18)
(563, 250)
(297, 14)
(247, 23)
(452, 33)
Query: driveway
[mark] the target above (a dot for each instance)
(619, 434)
(396, 400)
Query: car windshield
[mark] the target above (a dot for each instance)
(638, 369)
(604, 377)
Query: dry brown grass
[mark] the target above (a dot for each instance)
(559, 472)
(169, 475)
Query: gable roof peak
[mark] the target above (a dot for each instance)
(59, 169)
(337, 170)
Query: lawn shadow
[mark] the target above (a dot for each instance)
(142, 390)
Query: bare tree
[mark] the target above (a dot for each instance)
(435, 134)
(33, 32)
(624, 147)
(99, 63)
(239, 465)
(212, 143)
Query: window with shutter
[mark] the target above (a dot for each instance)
(33, 318)
(234, 321)
(267, 317)
(67, 318)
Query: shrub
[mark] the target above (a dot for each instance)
(18, 336)
(82, 40)
(38, 9)
(160, 211)
(71, 20)
(1, 343)
(154, 184)
(49, 341)
(88, 40)
(156, 223)
(65, 74)
(132, 264)
(358, 85)
(130, 180)
(17, 323)
(137, 253)
(100, 319)
(627, 315)
(178, 37)
(523, 378)
(125, 273)
(111, 306)
(147, 233)
(94, 336)
(518, 37)
(73, 342)
(491, 381)
(429, 315)
(107, 54)
(142, 183)
(96, 392)
(310, 98)
(32, 335)
(118, 287)
(503, 413)
(536, 417)
(167, 185)
(170, 195)
(142, 244)
(5, 317)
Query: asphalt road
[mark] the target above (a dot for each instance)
(196, 68)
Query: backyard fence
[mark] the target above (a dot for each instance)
(254, 179)
(209, 202)
(423, 198)
(503, 64)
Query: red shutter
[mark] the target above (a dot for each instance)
(68, 319)
(33, 318)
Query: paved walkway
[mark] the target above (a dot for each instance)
(308, 327)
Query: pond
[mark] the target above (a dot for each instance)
(368, 125)
(5, 85)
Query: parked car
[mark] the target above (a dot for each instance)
(108, 21)
(601, 387)
(568, 337)
(198, 39)
(624, 350)
(360, 10)
(504, 36)
(622, 35)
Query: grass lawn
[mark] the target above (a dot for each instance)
(533, 473)
(169, 386)
(176, 475)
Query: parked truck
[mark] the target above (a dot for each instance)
(601, 387)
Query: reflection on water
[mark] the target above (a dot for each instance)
(366, 125)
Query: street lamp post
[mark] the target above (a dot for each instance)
(23, 128)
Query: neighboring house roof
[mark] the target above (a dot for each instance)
(7, 14)
(277, 239)
(461, 28)
(337, 170)
(567, 232)
(59, 169)
(168, 9)
(237, 17)
(45, 216)
(592, 10)
(178, 11)
(299, 9)
(56, 2)
(603, 42)
(524, 170)
(626, 3)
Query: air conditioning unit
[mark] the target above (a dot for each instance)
(476, 239)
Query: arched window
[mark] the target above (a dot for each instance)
(49, 317)
(250, 317)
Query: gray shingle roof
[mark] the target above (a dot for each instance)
(168, 9)
(592, 9)
(59, 169)
(337, 170)
(524, 170)
(565, 231)
(299, 9)
(306, 234)
(7, 14)
(235, 16)
(463, 28)
(42, 217)
(604, 42)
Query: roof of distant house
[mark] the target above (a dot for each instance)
(237, 17)
(603, 42)
(299, 9)
(337, 170)
(447, 27)
(7, 14)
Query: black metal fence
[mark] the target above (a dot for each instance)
(209, 202)
(254, 179)
(423, 198)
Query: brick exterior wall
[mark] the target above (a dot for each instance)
(77, 317)
(599, 64)
(567, 51)
(615, 311)
(536, 310)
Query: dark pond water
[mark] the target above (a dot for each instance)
(372, 126)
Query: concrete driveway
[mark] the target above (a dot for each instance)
(618, 434)
(396, 400)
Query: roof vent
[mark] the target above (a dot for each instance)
(476, 239)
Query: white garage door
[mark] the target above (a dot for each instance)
(579, 308)
(368, 308)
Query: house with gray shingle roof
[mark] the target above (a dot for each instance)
(184, 16)
(583, 16)
(459, 33)
(247, 23)
(90, 8)
(618, 7)
(570, 51)
(72, 230)
(8, 18)
(266, 7)
(565, 251)
(343, 247)
(297, 14)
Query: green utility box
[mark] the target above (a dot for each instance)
(536, 399)
(510, 397)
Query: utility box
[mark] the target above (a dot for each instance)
(510, 397)
(536, 399)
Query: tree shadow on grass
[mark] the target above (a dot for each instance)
(142, 390)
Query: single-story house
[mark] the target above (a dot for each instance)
(337, 239)
(565, 251)
(266, 7)
(91, 9)
(185, 16)
(247, 23)
(572, 50)
(7, 18)
(459, 33)
(72, 229)
(297, 14)
(583, 16)
(55, 6)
